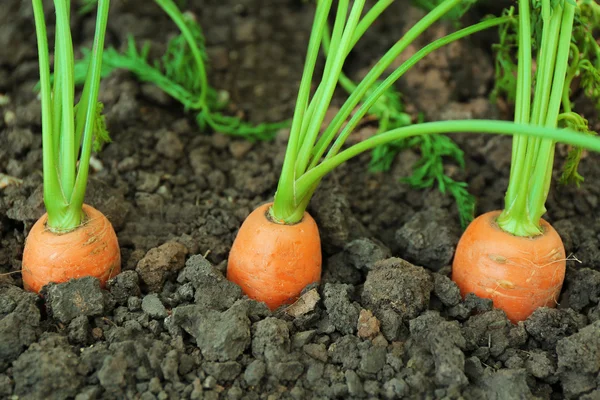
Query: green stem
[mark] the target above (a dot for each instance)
(546, 64)
(365, 23)
(377, 70)
(306, 182)
(308, 122)
(532, 171)
(345, 82)
(330, 80)
(390, 80)
(513, 217)
(56, 109)
(571, 74)
(174, 13)
(68, 156)
(522, 102)
(91, 103)
(543, 169)
(284, 197)
(53, 197)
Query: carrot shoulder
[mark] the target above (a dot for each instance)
(273, 262)
(519, 274)
(91, 249)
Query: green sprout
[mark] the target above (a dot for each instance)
(560, 33)
(69, 130)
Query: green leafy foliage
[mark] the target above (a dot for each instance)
(584, 63)
(389, 112)
(101, 135)
(570, 174)
(590, 81)
(179, 74)
(429, 170)
(178, 62)
(587, 25)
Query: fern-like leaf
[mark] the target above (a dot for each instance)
(177, 74)
(429, 169)
(101, 135)
(389, 111)
(590, 82)
(570, 174)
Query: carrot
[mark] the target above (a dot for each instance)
(513, 256)
(90, 250)
(72, 239)
(518, 273)
(273, 262)
(270, 263)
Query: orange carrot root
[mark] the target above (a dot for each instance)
(90, 250)
(519, 274)
(271, 262)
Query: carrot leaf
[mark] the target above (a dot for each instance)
(590, 81)
(430, 170)
(101, 135)
(181, 73)
(570, 174)
(389, 112)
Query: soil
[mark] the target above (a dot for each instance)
(386, 321)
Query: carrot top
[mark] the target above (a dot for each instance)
(561, 31)
(389, 113)
(311, 154)
(68, 130)
(306, 147)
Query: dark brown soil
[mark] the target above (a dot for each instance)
(172, 327)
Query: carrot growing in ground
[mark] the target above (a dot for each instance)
(277, 251)
(72, 239)
(513, 256)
